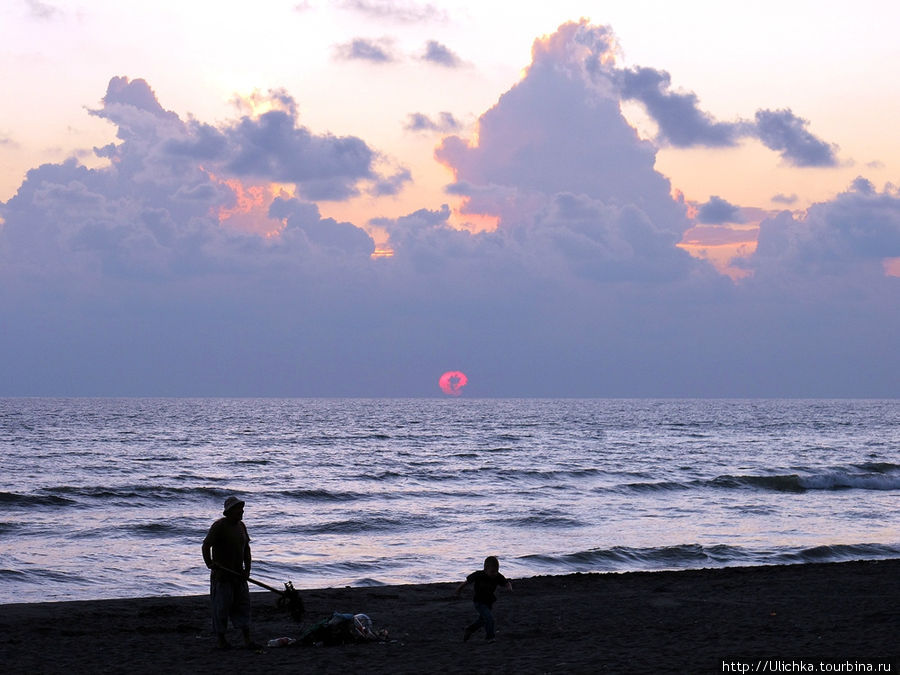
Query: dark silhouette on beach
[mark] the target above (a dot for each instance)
(226, 552)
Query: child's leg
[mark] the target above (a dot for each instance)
(475, 625)
(485, 618)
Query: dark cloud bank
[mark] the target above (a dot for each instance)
(123, 281)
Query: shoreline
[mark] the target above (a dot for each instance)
(656, 621)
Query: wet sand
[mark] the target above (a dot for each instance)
(691, 621)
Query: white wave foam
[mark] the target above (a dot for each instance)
(836, 480)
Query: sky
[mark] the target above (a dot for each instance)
(352, 198)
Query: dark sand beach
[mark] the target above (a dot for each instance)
(644, 622)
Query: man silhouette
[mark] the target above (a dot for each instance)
(226, 552)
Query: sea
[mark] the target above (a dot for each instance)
(111, 498)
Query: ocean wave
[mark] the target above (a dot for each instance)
(322, 495)
(841, 552)
(839, 479)
(359, 525)
(869, 476)
(379, 476)
(153, 530)
(878, 467)
(366, 582)
(429, 494)
(623, 556)
(153, 493)
(16, 499)
(543, 519)
(32, 574)
(131, 531)
(646, 486)
(545, 474)
(691, 556)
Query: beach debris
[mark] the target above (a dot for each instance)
(281, 642)
(341, 628)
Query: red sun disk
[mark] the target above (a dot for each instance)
(452, 382)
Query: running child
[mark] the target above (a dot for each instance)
(485, 581)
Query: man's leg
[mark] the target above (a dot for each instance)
(240, 611)
(221, 595)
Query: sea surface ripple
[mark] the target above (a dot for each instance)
(112, 497)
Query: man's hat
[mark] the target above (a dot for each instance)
(231, 502)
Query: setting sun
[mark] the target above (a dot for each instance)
(452, 382)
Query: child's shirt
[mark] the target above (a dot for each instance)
(485, 586)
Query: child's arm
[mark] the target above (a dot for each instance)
(459, 589)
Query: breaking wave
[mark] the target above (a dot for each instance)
(870, 476)
(689, 556)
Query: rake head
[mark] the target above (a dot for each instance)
(290, 600)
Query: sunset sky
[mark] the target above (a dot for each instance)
(350, 198)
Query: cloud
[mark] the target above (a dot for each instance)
(324, 233)
(42, 10)
(681, 122)
(705, 235)
(394, 10)
(273, 148)
(269, 147)
(560, 130)
(446, 123)
(388, 186)
(786, 133)
(158, 210)
(787, 200)
(198, 262)
(717, 211)
(362, 49)
(441, 55)
(136, 94)
(847, 237)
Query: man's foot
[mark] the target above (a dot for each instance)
(490, 641)
(467, 634)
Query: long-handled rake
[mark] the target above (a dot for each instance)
(288, 599)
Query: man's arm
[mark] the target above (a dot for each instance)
(248, 558)
(207, 552)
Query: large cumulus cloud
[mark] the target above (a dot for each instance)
(183, 267)
(850, 236)
(157, 208)
(566, 174)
